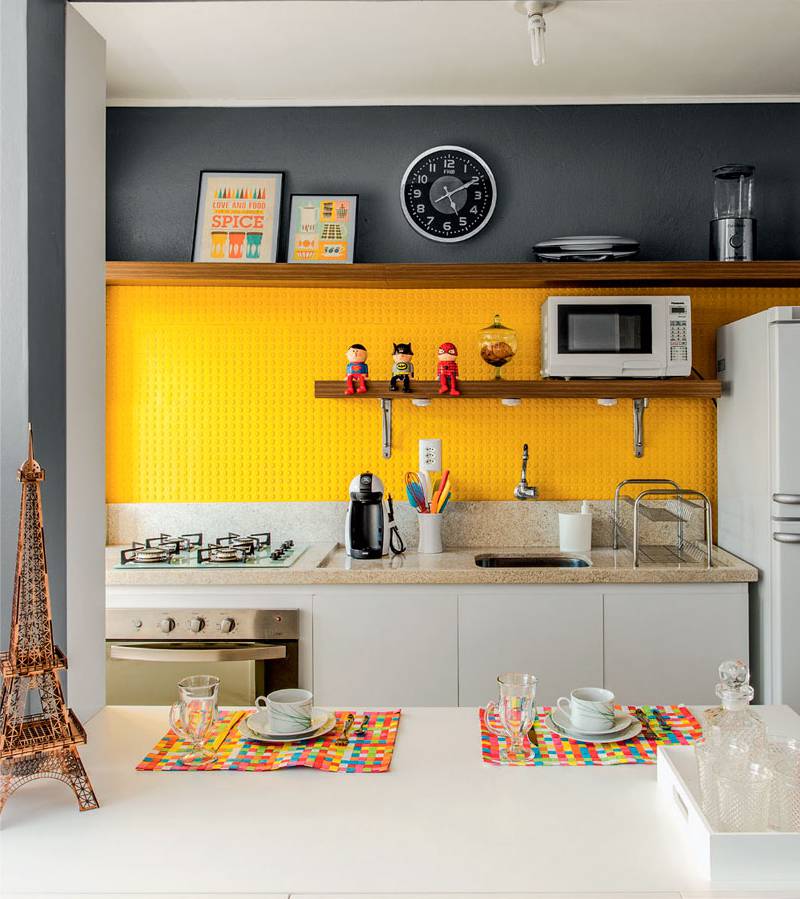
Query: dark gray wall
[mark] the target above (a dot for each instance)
(46, 283)
(641, 171)
(13, 287)
(32, 303)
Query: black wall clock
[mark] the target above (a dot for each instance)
(448, 194)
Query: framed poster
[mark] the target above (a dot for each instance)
(322, 227)
(237, 217)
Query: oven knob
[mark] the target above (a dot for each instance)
(166, 625)
(227, 625)
(196, 625)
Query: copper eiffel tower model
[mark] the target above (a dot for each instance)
(42, 744)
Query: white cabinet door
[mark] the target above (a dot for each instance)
(554, 633)
(385, 647)
(664, 647)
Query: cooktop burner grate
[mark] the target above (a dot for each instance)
(214, 552)
(182, 543)
(145, 555)
(188, 551)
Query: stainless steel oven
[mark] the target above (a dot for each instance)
(252, 651)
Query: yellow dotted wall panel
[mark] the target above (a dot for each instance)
(211, 396)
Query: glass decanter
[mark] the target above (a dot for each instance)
(734, 723)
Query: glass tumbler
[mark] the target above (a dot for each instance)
(704, 755)
(194, 715)
(744, 798)
(783, 752)
(783, 757)
(787, 793)
(516, 710)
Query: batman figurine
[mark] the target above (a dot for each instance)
(402, 367)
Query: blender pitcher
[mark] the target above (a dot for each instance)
(733, 228)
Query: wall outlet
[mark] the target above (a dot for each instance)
(430, 454)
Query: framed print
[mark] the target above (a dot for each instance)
(322, 227)
(237, 217)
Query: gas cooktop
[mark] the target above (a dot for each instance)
(231, 551)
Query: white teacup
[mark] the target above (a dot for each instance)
(589, 709)
(287, 711)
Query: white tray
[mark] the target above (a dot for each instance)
(722, 856)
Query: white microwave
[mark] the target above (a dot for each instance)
(616, 337)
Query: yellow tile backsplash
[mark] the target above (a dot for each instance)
(210, 396)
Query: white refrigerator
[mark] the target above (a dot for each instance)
(758, 456)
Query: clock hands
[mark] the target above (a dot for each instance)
(449, 199)
(449, 193)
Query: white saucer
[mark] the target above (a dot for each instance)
(319, 719)
(633, 729)
(622, 721)
(248, 734)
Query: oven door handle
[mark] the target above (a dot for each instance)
(152, 652)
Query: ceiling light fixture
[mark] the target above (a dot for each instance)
(535, 10)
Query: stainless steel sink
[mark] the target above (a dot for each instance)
(496, 560)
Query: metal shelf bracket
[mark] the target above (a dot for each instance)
(386, 428)
(639, 405)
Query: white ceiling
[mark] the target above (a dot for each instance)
(387, 52)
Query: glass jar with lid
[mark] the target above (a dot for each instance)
(498, 345)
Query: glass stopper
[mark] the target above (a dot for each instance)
(734, 682)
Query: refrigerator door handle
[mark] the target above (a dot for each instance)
(787, 499)
(780, 537)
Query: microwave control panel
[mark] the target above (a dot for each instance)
(680, 325)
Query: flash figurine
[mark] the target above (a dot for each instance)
(357, 369)
(402, 367)
(447, 369)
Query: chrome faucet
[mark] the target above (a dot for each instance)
(522, 490)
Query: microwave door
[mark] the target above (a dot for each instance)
(606, 329)
(609, 340)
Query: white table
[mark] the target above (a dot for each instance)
(435, 823)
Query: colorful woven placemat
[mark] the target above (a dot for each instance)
(668, 724)
(362, 755)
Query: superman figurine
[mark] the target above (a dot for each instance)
(447, 369)
(357, 369)
(402, 366)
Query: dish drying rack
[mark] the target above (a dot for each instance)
(678, 508)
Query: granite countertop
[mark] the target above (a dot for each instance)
(327, 563)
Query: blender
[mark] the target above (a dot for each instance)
(733, 228)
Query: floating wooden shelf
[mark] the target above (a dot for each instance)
(640, 391)
(623, 388)
(478, 275)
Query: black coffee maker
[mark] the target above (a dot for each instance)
(366, 532)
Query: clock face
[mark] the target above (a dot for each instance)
(448, 194)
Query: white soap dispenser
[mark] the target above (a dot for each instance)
(575, 530)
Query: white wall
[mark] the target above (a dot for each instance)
(85, 139)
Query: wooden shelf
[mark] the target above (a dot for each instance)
(478, 275)
(678, 388)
